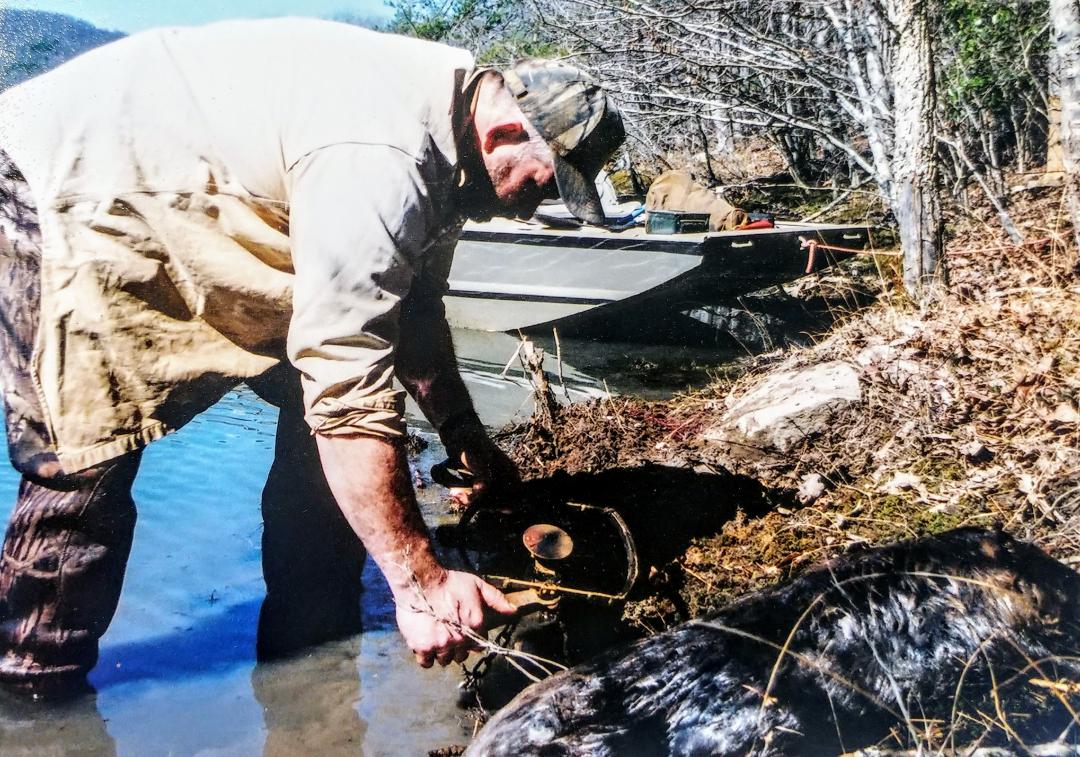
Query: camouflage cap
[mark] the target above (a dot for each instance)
(578, 120)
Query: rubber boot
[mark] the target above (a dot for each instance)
(61, 572)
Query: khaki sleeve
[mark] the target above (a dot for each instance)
(359, 217)
(438, 259)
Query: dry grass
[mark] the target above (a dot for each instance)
(970, 414)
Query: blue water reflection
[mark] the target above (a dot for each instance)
(195, 561)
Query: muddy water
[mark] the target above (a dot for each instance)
(177, 674)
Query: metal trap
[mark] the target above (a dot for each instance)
(539, 554)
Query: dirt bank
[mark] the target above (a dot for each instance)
(970, 416)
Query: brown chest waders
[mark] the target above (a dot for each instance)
(69, 536)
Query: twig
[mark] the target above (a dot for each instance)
(514, 657)
(506, 368)
(559, 364)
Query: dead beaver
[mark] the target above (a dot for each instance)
(905, 640)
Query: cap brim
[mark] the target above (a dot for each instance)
(579, 192)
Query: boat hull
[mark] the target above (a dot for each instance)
(517, 277)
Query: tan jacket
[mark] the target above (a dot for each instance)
(205, 193)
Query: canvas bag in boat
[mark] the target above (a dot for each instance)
(677, 191)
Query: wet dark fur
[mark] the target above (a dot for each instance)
(899, 640)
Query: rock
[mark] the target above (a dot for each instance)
(890, 363)
(1066, 413)
(787, 407)
(878, 353)
(810, 488)
(976, 452)
(901, 482)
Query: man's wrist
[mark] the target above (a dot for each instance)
(416, 569)
(424, 579)
(460, 430)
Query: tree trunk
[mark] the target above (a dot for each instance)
(1066, 19)
(914, 194)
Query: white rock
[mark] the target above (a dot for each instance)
(1066, 413)
(902, 482)
(880, 353)
(810, 488)
(787, 407)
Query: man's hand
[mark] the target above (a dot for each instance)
(435, 607)
(491, 470)
(426, 366)
(369, 478)
(469, 446)
(436, 620)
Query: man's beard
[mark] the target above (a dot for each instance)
(476, 199)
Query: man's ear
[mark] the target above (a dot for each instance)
(505, 133)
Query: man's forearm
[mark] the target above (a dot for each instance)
(369, 479)
(426, 364)
(438, 611)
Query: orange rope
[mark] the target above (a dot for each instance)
(813, 246)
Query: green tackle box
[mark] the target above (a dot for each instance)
(676, 222)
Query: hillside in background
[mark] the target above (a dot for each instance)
(32, 42)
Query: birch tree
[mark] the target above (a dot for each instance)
(1066, 20)
(846, 84)
(914, 183)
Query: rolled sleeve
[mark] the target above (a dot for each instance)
(359, 218)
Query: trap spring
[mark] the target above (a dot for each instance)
(561, 549)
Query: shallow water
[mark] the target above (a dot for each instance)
(177, 674)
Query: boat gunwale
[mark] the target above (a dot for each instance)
(602, 239)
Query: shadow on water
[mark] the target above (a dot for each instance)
(213, 643)
(218, 641)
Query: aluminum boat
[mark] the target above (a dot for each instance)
(523, 275)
